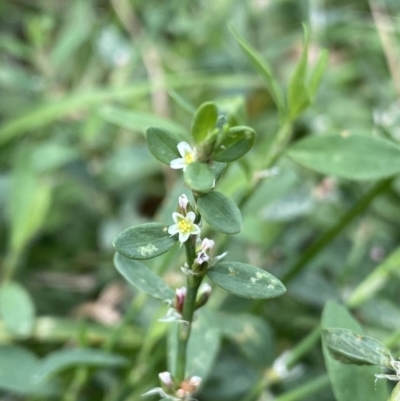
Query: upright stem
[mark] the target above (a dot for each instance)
(193, 284)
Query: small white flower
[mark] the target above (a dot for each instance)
(188, 156)
(184, 226)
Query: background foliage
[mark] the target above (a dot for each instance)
(81, 81)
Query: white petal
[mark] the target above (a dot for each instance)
(177, 164)
(172, 230)
(183, 237)
(191, 216)
(177, 216)
(183, 148)
(195, 229)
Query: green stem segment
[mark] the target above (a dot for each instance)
(193, 284)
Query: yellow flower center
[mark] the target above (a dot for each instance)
(189, 158)
(184, 226)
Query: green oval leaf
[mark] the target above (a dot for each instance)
(66, 358)
(162, 144)
(204, 121)
(349, 382)
(17, 309)
(357, 157)
(395, 395)
(199, 177)
(17, 368)
(220, 212)
(145, 241)
(349, 347)
(245, 280)
(238, 141)
(141, 277)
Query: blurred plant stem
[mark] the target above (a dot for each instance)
(10, 265)
(326, 238)
(305, 390)
(81, 376)
(275, 151)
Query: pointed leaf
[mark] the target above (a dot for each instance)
(263, 69)
(66, 358)
(298, 97)
(141, 277)
(237, 142)
(349, 382)
(162, 144)
(220, 212)
(17, 309)
(204, 121)
(245, 280)
(357, 157)
(349, 347)
(145, 241)
(199, 177)
(317, 73)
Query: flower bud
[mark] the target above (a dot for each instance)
(188, 386)
(183, 202)
(179, 301)
(207, 245)
(202, 296)
(167, 384)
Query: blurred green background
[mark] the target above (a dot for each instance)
(81, 80)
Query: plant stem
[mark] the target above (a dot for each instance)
(333, 232)
(275, 151)
(79, 379)
(304, 391)
(184, 328)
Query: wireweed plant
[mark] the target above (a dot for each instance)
(215, 144)
(245, 247)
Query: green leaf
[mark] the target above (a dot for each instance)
(162, 144)
(17, 309)
(356, 157)
(203, 345)
(245, 280)
(237, 142)
(199, 177)
(261, 66)
(251, 334)
(204, 121)
(395, 395)
(138, 121)
(27, 212)
(317, 73)
(60, 360)
(17, 369)
(145, 241)
(349, 347)
(220, 212)
(349, 382)
(298, 96)
(141, 277)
